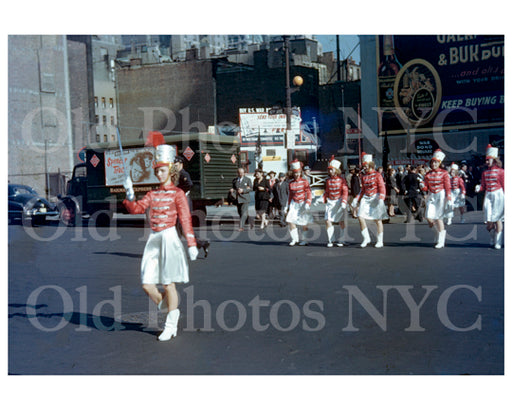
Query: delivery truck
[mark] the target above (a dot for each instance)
(96, 187)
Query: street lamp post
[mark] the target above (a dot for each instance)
(289, 138)
(288, 108)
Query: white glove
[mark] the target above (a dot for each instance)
(343, 205)
(449, 205)
(128, 185)
(285, 210)
(192, 253)
(307, 206)
(477, 188)
(381, 203)
(462, 197)
(354, 203)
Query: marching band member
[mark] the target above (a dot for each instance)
(299, 203)
(372, 195)
(458, 194)
(164, 261)
(493, 183)
(335, 199)
(437, 184)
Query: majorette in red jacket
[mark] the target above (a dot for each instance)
(436, 180)
(371, 184)
(335, 188)
(166, 203)
(493, 179)
(300, 191)
(458, 183)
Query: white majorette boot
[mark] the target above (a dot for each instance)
(340, 240)
(492, 234)
(380, 240)
(330, 234)
(171, 326)
(366, 237)
(499, 236)
(441, 239)
(294, 233)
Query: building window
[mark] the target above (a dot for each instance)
(97, 119)
(112, 122)
(244, 160)
(103, 104)
(271, 152)
(96, 102)
(97, 137)
(105, 139)
(105, 119)
(111, 103)
(112, 137)
(302, 156)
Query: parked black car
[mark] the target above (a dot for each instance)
(25, 205)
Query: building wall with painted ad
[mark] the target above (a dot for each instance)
(447, 88)
(442, 81)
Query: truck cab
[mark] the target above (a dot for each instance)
(96, 187)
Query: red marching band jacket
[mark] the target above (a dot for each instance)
(436, 180)
(299, 191)
(493, 179)
(371, 184)
(458, 183)
(335, 188)
(166, 203)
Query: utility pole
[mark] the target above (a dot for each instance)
(338, 63)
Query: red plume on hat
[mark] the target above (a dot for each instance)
(154, 139)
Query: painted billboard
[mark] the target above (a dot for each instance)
(268, 127)
(139, 164)
(440, 82)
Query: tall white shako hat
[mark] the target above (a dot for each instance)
(454, 166)
(164, 154)
(334, 163)
(296, 165)
(438, 155)
(366, 158)
(492, 152)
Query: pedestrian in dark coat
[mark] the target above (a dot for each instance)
(261, 188)
(280, 192)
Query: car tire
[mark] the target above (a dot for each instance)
(38, 220)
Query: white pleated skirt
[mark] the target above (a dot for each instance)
(458, 200)
(371, 207)
(494, 205)
(298, 215)
(435, 206)
(164, 260)
(334, 211)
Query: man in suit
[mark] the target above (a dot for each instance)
(242, 187)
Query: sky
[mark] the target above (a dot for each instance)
(348, 44)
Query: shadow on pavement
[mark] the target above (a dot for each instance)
(101, 323)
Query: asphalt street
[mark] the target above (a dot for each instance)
(257, 306)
